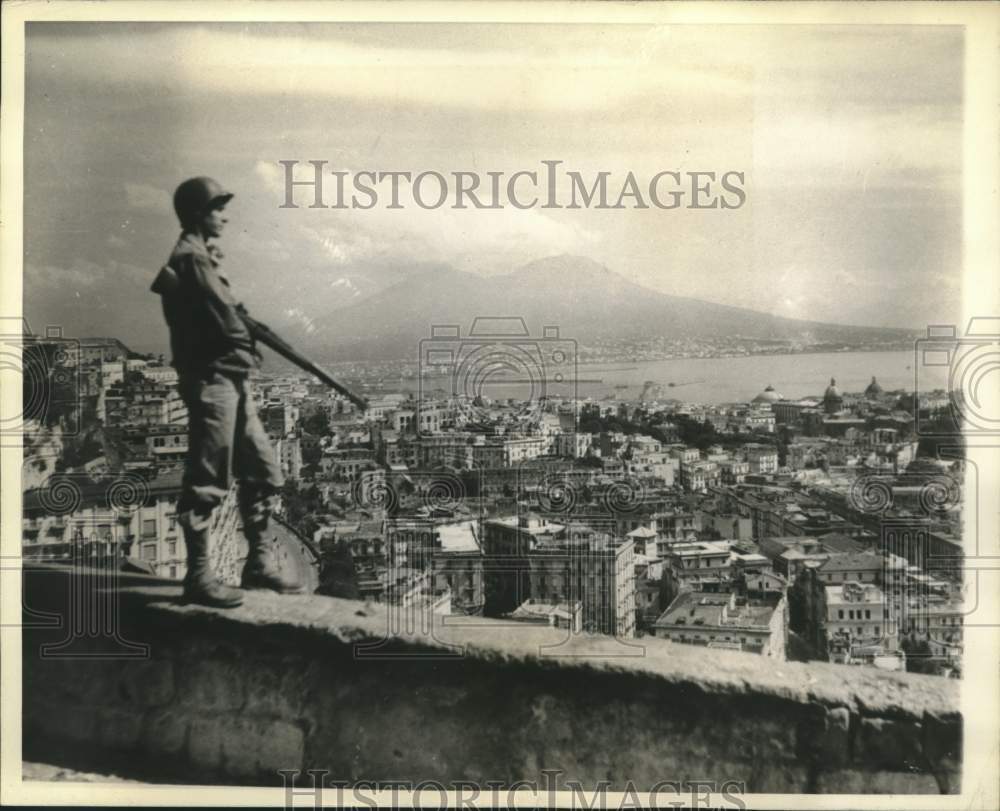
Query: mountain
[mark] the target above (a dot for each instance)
(584, 299)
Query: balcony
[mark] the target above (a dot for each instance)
(310, 682)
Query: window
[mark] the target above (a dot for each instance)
(868, 614)
(172, 548)
(149, 528)
(149, 552)
(840, 613)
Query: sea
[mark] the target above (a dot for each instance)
(739, 379)
(717, 380)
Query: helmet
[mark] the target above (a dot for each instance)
(194, 197)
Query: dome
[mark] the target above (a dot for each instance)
(832, 401)
(874, 389)
(769, 395)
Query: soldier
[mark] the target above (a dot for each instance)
(214, 354)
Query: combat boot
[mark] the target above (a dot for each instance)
(200, 583)
(262, 570)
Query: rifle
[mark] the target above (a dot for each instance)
(264, 334)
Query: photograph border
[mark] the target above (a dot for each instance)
(981, 207)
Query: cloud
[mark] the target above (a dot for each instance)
(850, 138)
(141, 196)
(63, 279)
(83, 273)
(902, 149)
(475, 74)
(487, 241)
(297, 316)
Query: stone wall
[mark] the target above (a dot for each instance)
(228, 550)
(318, 683)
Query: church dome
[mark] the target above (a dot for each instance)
(769, 395)
(832, 399)
(874, 389)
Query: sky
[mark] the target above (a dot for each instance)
(849, 139)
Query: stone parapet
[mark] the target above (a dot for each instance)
(311, 682)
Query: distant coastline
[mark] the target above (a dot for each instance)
(735, 378)
(403, 364)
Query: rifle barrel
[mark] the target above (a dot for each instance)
(268, 337)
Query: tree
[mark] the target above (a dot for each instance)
(470, 483)
(301, 504)
(307, 526)
(317, 423)
(82, 448)
(807, 613)
(919, 657)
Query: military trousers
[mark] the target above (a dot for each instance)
(226, 442)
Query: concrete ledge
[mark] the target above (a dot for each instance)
(233, 696)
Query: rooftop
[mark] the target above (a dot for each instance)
(852, 593)
(751, 559)
(538, 610)
(693, 548)
(534, 526)
(839, 542)
(853, 561)
(716, 611)
(458, 537)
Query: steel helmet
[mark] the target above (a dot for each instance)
(195, 196)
